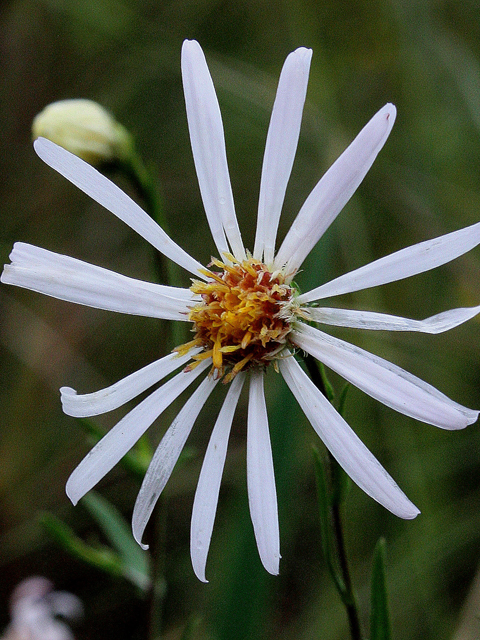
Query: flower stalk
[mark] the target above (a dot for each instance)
(331, 493)
(147, 187)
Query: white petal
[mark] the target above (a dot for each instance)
(110, 398)
(381, 321)
(121, 438)
(344, 444)
(208, 487)
(166, 456)
(76, 281)
(384, 381)
(401, 264)
(280, 148)
(334, 190)
(106, 193)
(208, 146)
(262, 496)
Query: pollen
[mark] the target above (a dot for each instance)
(244, 317)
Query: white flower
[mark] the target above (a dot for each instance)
(246, 314)
(37, 611)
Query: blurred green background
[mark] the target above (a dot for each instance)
(424, 56)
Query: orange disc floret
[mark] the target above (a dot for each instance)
(241, 320)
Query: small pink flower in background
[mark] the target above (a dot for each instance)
(245, 314)
(37, 611)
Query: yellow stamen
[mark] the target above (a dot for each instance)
(244, 316)
(237, 368)
(184, 348)
(217, 354)
(246, 340)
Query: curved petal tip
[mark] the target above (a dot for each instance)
(303, 53)
(390, 112)
(71, 493)
(138, 540)
(413, 513)
(190, 46)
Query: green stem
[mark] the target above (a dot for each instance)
(156, 596)
(144, 182)
(142, 179)
(345, 586)
(348, 596)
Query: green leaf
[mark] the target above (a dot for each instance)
(190, 628)
(342, 400)
(136, 562)
(319, 377)
(124, 562)
(339, 483)
(380, 628)
(100, 557)
(329, 390)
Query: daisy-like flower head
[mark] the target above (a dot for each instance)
(246, 314)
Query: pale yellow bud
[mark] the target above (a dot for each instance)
(85, 128)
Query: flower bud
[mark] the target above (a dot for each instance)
(85, 128)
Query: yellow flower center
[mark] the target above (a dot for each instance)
(244, 317)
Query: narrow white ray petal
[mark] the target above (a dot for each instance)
(110, 398)
(24, 254)
(121, 438)
(384, 381)
(280, 148)
(401, 264)
(381, 321)
(208, 487)
(106, 193)
(334, 190)
(344, 444)
(262, 495)
(166, 456)
(76, 281)
(208, 146)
